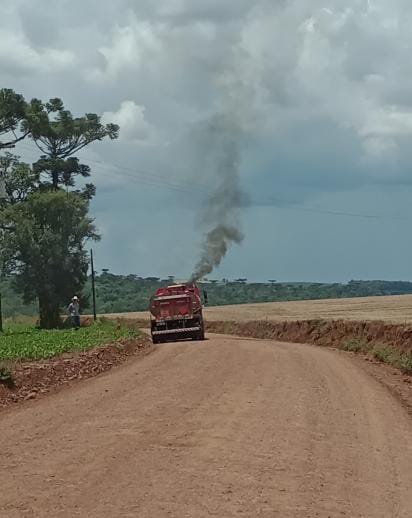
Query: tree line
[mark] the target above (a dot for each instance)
(126, 293)
(44, 207)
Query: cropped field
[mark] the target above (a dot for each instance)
(22, 342)
(395, 309)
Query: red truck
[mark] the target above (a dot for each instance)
(176, 313)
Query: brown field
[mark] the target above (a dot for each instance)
(397, 309)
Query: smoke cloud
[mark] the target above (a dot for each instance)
(220, 215)
(215, 248)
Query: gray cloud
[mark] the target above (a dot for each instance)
(322, 95)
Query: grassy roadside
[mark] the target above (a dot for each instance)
(33, 362)
(22, 342)
(382, 352)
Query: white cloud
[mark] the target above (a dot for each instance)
(129, 47)
(18, 56)
(277, 65)
(131, 119)
(333, 64)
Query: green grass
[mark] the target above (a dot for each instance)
(405, 364)
(355, 346)
(391, 356)
(21, 342)
(385, 354)
(382, 352)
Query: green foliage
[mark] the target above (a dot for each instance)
(29, 343)
(6, 375)
(355, 346)
(13, 304)
(12, 113)
(405, 363)
(66, 169)
(19, 180)
(123, 293)
(384, 353)
(57, 130)
(59, 135)
(43, 230)
(391, 356)
(45, 249)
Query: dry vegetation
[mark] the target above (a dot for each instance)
(391, 309)
(395, 309)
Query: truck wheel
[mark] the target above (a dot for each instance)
(199, 336)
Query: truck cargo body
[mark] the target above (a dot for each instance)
(176, 314)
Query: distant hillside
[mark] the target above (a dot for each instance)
(123, 293)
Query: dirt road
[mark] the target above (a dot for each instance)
(228, 427)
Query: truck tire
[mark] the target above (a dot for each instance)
(200, 335)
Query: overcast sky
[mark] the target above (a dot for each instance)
(321, 96)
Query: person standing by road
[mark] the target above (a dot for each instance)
(74, 312)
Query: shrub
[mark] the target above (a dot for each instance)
(354, 346)
(6, 376)
(405, 363)
(383, 353)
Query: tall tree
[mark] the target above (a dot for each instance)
(59, 136)
(44, 247)
(43, 229)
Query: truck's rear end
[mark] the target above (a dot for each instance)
(176, 314)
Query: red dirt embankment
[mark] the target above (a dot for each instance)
(33, 379)
(329, 333)
(332, 333)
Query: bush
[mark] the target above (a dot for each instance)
(384, 353)
(6, 376)
(355, 346)
(405, 363)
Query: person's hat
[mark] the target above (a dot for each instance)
(75, 298)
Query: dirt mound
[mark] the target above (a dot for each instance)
(32, 379)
